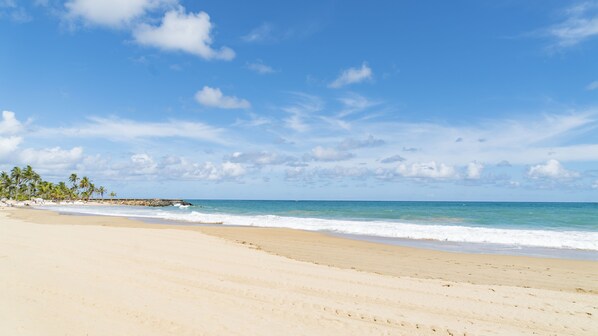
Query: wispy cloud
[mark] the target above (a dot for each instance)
(261, 68)
(352, 76)
(580, 24)
(118, 129)
(213, 97)
(268, 32)
(300, 110)
(263, 32)
(592, 86)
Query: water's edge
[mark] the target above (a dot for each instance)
(428, 243)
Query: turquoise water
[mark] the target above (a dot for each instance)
(547, 216)
(487, 227)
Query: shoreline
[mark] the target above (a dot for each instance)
(490, 248)
(386, 259)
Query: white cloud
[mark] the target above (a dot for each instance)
(143, 164)
(9, 123)
(595, 185)
(310, 175)
(10, 126)
(370, 141)
(124, 129)
(354, 103)
(213, 97)
(427, 170)
(393, 158)
(320, 153)
(9, 144)
(183, 168)
(474, 170)
(563, 137)
(112, 13)
(260, 68)
(260, 158)
(180, 31)
(301, 110)
(260, 34)
(581, 24)
(592, 86)
(51, 158)
(352, 76)
(552, 169)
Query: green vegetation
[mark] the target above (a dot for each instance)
(25, 184)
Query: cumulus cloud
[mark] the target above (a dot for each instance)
(427, 170)
(10, 124)
(213, 97)
(352, 76)
(8, 145)
(552, 169)
(207, 171)
(310, 175)
(181, 31)
(320, 153)
(112, 13)
(474, 170)
(143, 164)
(173, 167)
(260, 68)
(52, 158)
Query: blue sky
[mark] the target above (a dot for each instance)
(398, 100)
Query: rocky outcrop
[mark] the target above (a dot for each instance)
(154, 202)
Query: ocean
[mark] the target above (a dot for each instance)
(567, 230)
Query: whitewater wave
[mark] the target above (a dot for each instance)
(453, 233)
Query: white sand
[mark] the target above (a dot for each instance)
(95, 280)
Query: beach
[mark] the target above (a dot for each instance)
(97, 275)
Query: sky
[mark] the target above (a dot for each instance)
(328, 99)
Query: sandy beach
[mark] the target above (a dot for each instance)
(90, 275)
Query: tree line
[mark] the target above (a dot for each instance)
(25, 184)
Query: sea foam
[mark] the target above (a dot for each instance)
(392, 229)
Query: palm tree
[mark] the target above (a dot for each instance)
(91, 190)
(45, 189)
(101, 191)
(5, 184)
(16, 174)
(30, 179)
(112, 194)
(84, 185)
(75, 188)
